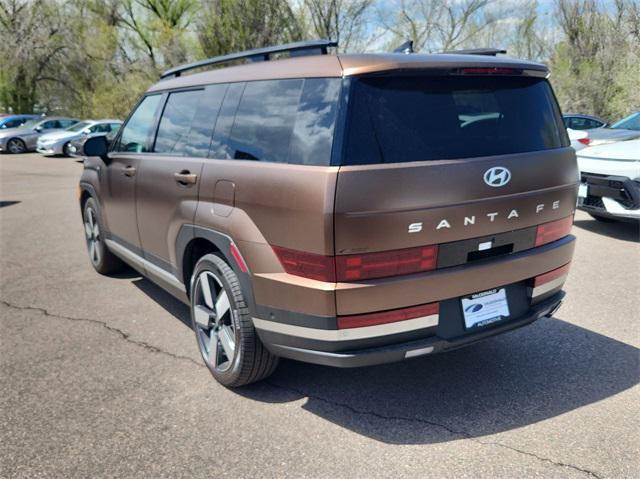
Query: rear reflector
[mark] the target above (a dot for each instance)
(585, 141)
(551, 275)
(554, 230)
(387, 263)
(238, 257)
(393, 316)
(308, 265)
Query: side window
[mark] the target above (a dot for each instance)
(100, 128)
(205, 120)
(177, 117)
(114, 127)
(66, 123)
(135, 134)
(49, 125)
(220, 147)
(14, 123)
(593, 124)
(265, 119)
(315, 120)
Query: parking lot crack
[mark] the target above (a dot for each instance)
(124, 335)
(416, 420)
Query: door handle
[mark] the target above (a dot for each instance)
(185, 177)
(130, 171)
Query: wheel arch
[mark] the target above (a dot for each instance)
(193, 242)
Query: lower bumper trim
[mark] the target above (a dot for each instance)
(398, 352)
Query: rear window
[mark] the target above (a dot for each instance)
(403, 119)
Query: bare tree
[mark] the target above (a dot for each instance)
(345, 21)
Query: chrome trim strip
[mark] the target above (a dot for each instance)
(545, 288)
(151, 268)
(347, 334)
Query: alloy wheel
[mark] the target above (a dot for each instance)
(214, 320)
(92, 232)
(15, 146)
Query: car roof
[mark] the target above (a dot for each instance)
(341, 65)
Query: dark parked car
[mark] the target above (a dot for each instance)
(626, 129)
(14, 121)
(345, 210)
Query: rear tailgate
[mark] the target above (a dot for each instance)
(392, 206)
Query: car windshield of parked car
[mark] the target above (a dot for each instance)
(632, 122)
(79, 126)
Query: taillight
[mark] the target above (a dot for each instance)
(373, 319)
(585, 141)
(387, 263)
(309, 265)
(551, 275)
(490, 71)
(554, 230)
(355, 267)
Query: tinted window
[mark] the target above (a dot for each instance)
(135, 134)
(202, 126)
(115, 127)
(175, 124)
(48, 125)
(100, 128)
(264, 121)
(402, 119)
(220, 147)
(13, 123)
(67, 123)
(313, 131)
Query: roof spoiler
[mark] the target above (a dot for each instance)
(312, 47)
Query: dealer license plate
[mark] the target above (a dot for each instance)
(484, 308)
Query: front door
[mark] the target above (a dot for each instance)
(169, 179)
(120, 176)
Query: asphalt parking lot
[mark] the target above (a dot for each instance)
(100, 376)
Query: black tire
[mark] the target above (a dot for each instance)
(603, 219)
(102, 260)
(16, 146)
(251, 361)
(65, 149)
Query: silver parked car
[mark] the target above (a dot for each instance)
(59, 142)
(25, 137)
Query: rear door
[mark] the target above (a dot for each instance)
(119, 176)
(432, 160)
(169, 179)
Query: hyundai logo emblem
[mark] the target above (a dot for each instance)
(497, 176)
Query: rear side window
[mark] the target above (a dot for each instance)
(199, 139)
(265, 119)
(403, 119)
(177, 117)
(136, 133)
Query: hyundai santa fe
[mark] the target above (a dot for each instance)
(345, 210)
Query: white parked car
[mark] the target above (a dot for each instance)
(610, 180)
(578, 138)
(58, 143)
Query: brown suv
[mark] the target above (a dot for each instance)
(345, 210)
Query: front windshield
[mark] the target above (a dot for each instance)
(632, 122)
(79, 126)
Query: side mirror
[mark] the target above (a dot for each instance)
(38, 129)
(96, 146)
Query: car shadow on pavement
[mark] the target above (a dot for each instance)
(541, 371)
(625, 231)
(520, 378)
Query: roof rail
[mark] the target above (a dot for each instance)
(478, 51)
(311, 47)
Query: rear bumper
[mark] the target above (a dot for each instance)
(409, 349)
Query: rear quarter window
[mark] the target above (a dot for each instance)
(410, 118)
